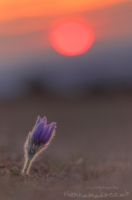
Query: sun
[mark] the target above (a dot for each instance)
(71, 36)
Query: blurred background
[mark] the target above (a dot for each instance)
(70, 61)
(29, 61)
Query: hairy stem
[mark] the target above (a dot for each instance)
(26, 167)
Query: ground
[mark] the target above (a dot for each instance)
(92, 147)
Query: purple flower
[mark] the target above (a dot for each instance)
(37, 141)
(42, 132)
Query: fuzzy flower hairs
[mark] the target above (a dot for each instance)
(37, 141)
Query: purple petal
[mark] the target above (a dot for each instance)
(38, 120)
(37, 131)
(44, 133)
(52, 126)
(47, 132)
(44, 120)
(48, 137)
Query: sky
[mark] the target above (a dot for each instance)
(27, 50)
(30, 8)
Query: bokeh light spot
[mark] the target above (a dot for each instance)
(71, 36)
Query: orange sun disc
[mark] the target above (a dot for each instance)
(71, 36)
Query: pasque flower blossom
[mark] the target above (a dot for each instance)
(37, 141)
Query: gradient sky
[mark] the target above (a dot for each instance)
(25, 26)
(11, 9)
